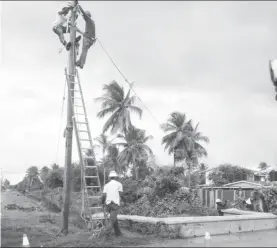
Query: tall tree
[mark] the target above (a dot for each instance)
(31, 174)
(227, 173)
(183, 140)
(103, 141)
(44, 173)
(263, 166)
(135, 150)
(118, 105)
(55, 166)
(177, 134)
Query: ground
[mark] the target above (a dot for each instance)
(42, 227)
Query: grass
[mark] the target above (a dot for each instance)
(42, 228)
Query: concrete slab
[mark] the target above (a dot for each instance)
(238, 221)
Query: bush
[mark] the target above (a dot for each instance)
(268, 196)
(54, 179)
(179, 202)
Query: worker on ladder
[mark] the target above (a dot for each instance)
(61, 24)
(112, 194)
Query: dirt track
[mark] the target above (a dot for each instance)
(42, 227)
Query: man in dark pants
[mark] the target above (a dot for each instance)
(111, 197)
(220, 206)
(59, 26)
(88, 37)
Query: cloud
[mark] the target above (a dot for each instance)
(206, 59)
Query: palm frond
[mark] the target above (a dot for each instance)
(104, 112)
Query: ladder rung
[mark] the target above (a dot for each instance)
(94, 196)
(84, 131)
(79, 114)
(91, 176)
(85, 139)
(75, 90)
(81, 122)
(80, 106)
(95, 207)
(92, 186)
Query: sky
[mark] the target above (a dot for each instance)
(206, 59)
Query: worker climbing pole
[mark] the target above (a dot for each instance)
(63, 25)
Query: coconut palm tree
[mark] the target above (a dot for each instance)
(119, 106)
(177, 128)
(31, 174)
(103, 141)
(44, 173)
(134, 148)
(192, 152)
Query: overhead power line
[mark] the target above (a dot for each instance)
(126, 80)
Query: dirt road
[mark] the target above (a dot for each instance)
(42, 227)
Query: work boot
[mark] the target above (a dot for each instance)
(69, 43)
(78, 64)
(117, 231)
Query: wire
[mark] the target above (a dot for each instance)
(58, 144)
(130, 85)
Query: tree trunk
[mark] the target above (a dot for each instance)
(189, 167)
(174, 158)
(136, 173)
(104, 170)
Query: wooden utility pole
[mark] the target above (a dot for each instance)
(69, 127)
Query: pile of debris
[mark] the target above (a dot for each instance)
(30, 209)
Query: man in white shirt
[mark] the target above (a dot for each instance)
(60, 25)
(111, 197)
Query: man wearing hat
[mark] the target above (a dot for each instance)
(220, 206)
(112, 193)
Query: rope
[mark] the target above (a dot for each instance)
(58, 144)
(130, 85)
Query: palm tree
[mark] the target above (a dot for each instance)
(112, 160)
(119, 106)
(55, 166)
(194, 150)
(44, 173)
(32, 172)
(177, 129)
(103, 141)
(134, 148)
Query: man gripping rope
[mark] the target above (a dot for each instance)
(112, 194)
(60, 26)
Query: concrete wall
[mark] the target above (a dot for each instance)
(236, 221)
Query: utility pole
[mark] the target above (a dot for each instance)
(69, 126)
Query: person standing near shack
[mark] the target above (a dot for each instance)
(112, 194)
(88, 37)
(220, 206)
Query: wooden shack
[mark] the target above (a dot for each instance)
(230, 192)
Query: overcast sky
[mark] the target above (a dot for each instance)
(207, 59)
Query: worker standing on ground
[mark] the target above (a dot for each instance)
(111, 197)
(60, 26)
(88, 37)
